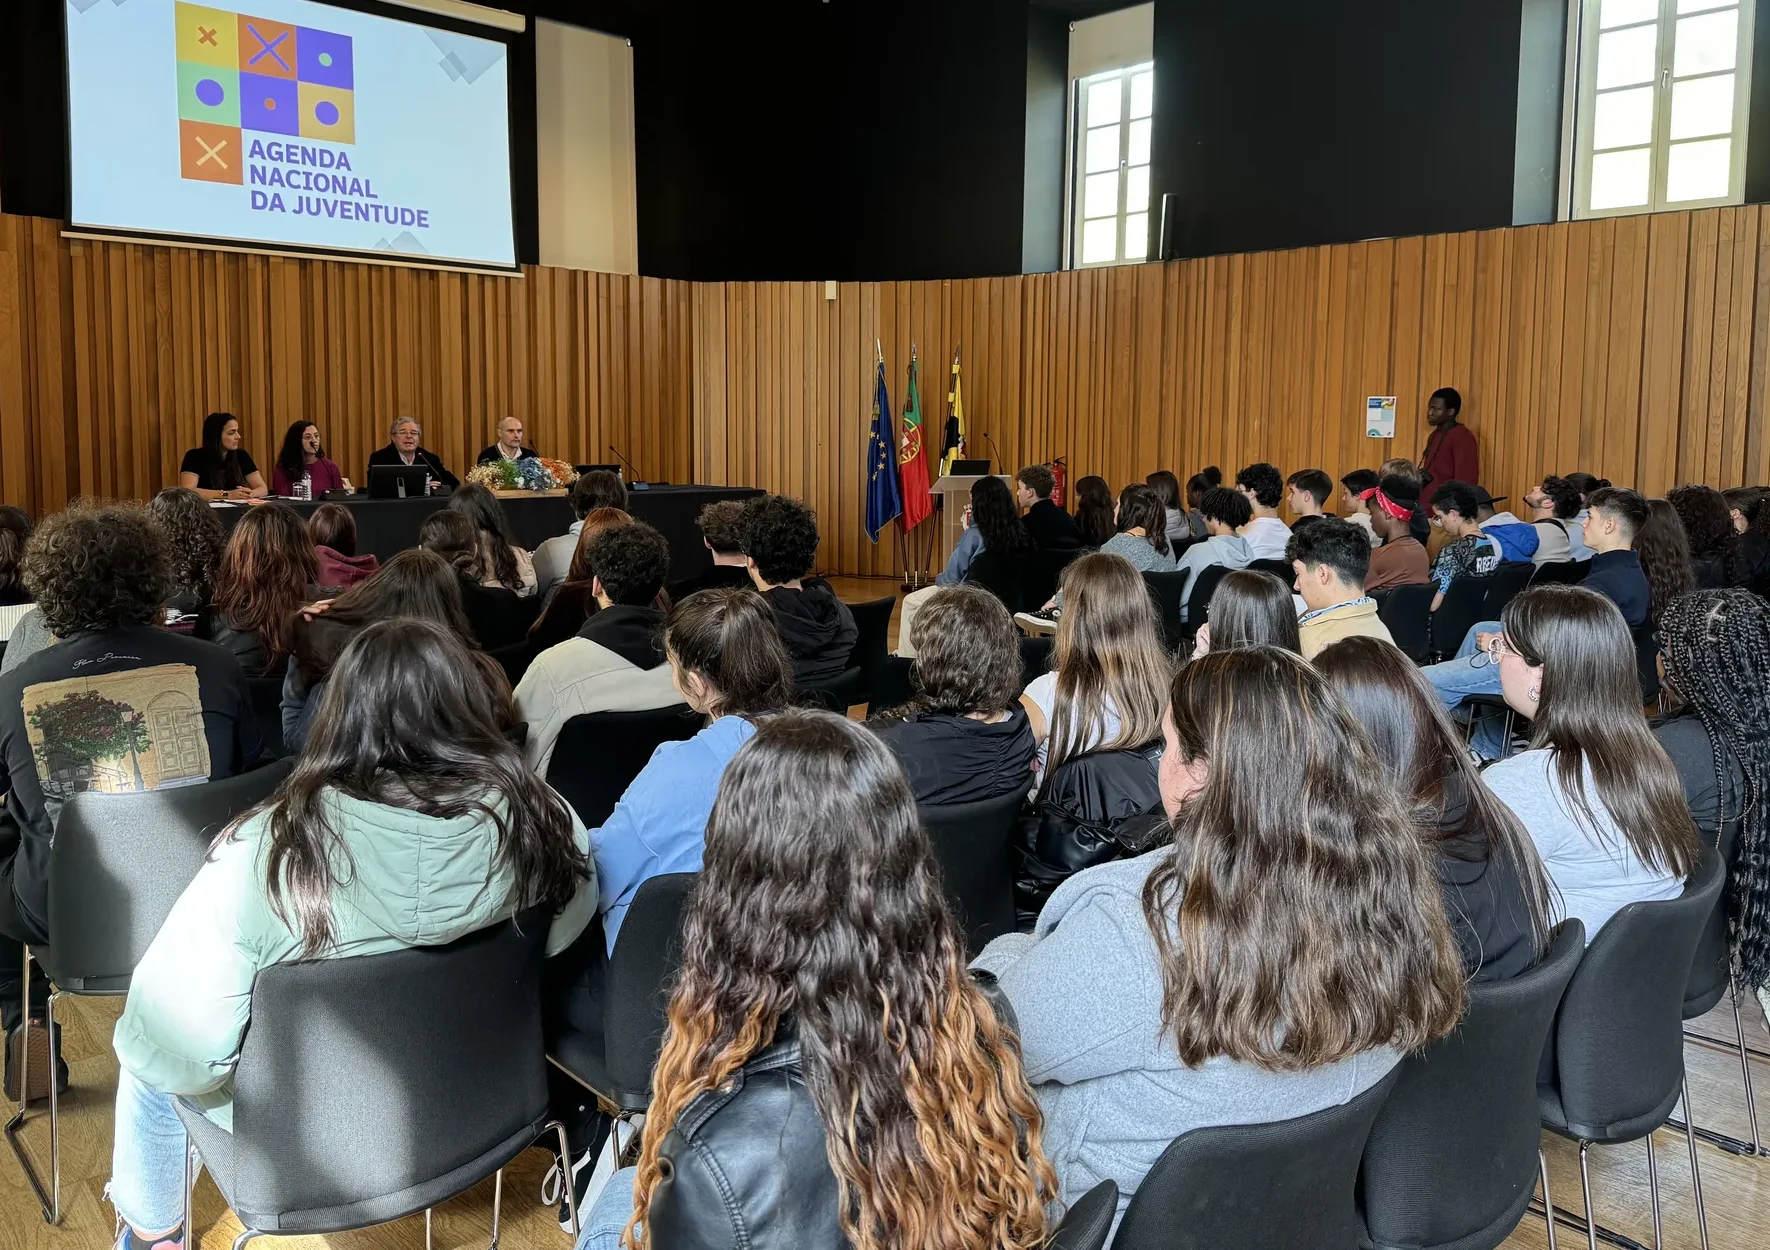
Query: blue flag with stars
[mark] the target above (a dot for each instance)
(884, 494)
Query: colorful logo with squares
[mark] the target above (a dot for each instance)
(238, 73)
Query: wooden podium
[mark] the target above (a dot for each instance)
(955, 493)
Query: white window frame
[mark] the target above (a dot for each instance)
(1583, 39)
(1075, 191)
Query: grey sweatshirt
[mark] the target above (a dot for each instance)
(1231, 550)
(1087, 989)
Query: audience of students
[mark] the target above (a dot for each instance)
(1263, 487)
(1469, 552)
(1597, 793)
(573, 601)
(302, 462)
(1050, 527)
(1400, 559)
(333, 529)
(498, 616)
(830, 1076)
(76, 716)
(1555, 507)
(1227, 513)
(1330, 559)
(268, 569)
(964, 736)
(1167, 489)
(616, 662)
(1708, 527)
(994, 526)
(410, 820)
(501, 561)
(596, 489)
(1496, 893)
(1355, 500)
(722, 533)
(1120, 991)
(1206, 479)
(195, 541)
(1307, 492)
(780, 548)
(1109, 669)
(1664, 553)
(1251, 608)
(1097, 512)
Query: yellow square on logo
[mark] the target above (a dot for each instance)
(208, 36)
(328, 113)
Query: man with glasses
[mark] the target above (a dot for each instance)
(405, 446)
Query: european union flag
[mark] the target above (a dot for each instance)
(884, 495)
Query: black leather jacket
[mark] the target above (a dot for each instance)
(746, 1166)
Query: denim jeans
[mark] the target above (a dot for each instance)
(608, 1218)
(1472, 672)
(147, 1158)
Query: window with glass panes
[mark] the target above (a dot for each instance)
(1114, 113)
(1661, 112)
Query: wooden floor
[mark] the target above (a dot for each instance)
(1736, 1191)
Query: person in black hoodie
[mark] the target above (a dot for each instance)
(1051, 528)
(965, 737)
(780, 545)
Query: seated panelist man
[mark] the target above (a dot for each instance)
(405, 446)
(509, 445)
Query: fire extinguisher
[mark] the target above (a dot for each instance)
(1059, 475)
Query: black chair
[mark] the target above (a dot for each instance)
(1647, 661)
(1281, 569)
(616, 1063)
(1198, 598)
(1281, 1186)
(1462, 608)
(1510, 578)
(1618, 1043)
(1005, 577)
(598, 755)
(1168, 590)
(1035, 658)
(893, 687)
(973, 843)
(872, 644)
(515, 660)
(1455, 1153)
(374, 1087)
(116, 866)
(1407, 611)
(1042, 573)
(836, 695)
(266, 697)
(1086, 1224)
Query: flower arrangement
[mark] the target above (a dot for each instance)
(535, 473)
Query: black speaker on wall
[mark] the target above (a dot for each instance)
(1168, 239)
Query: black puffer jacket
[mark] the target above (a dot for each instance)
(1095, 808)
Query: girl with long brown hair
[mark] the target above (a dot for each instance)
(1276, 959)
(830, 1074)
(268, 569)
(1600, 798)
(1110, 670)
(1496, 892)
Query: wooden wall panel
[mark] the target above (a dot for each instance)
(1635, 348)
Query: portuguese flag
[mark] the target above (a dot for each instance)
(912, 465)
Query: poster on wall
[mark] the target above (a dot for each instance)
(1379, 416)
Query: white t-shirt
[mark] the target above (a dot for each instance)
(1043, 692)
(1267, 537)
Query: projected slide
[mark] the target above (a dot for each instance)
(289, 123)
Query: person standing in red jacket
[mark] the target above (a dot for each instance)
(1451, 454)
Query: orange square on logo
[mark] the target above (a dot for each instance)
(267, 48)
(209, 153)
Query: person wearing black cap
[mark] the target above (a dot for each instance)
(1401, 560)
(1516, 540)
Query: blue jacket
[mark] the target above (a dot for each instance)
(967, 549)
(660, 824)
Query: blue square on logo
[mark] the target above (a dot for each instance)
(324, 59)
(270, 104)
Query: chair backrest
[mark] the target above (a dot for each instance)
(1281, 569)
(972, 841)
(265, 694)
(1711, 970)
(1035, 658)
(1287, 1185)
(1198, 599)
(515, 660)
(836, 695)
(1407, 611)
(1619, 1036)
(893, 687)
(1647, 660)
(1424, 1185)
(1169, 590)
(597, 755)
(1042, 573)
(371, 1087)
(1086, 1224)
(119, 862)
(1005, 577)
(1461, 609)
(1510, 578)
(872, 644)
(647, 954)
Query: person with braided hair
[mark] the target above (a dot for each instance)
(1717, 658)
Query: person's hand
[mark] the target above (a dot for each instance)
(345, 485)
(1049, 604)
(1484, 641)
(311, 610)
(1201, 643)
(238, 492)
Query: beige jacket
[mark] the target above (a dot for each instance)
(1352, 620)
(580, 676)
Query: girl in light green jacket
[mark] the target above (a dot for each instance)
(409, 820)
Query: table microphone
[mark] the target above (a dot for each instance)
(636, 484)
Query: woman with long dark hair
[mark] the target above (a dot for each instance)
(1600, 798)
(268, 569)
(221, 468)
(830, 1075)
(501, 561)
(1717, 657)
(195, 541)
(1496, 892)
(498, 616)
(1664, 553)
(1249, 609)
(1094, 510)
(1748, 560)
(1167, 489)
(1277, 959)
(415, 584)
(1205, 480)
(302, 463)
(1142, 536)
(570, 603)
(409, 820)
(995, 526)
(1708, 527)
(15, 600)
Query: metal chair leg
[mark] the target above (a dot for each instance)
(1702, 1219)
(497, 1204)
(1745, 1066)
(190, 1193)
(1585, 1184)
(239, 1242)
(571, 1193)
(429, 1243)
(48, 1197)
(1653, 1189)
(1542, 1165)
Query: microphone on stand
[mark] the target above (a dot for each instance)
(1001, 464)
(635, 483)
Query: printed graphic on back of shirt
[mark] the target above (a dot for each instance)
(118, 733)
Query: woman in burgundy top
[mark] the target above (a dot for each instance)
(302, 457)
